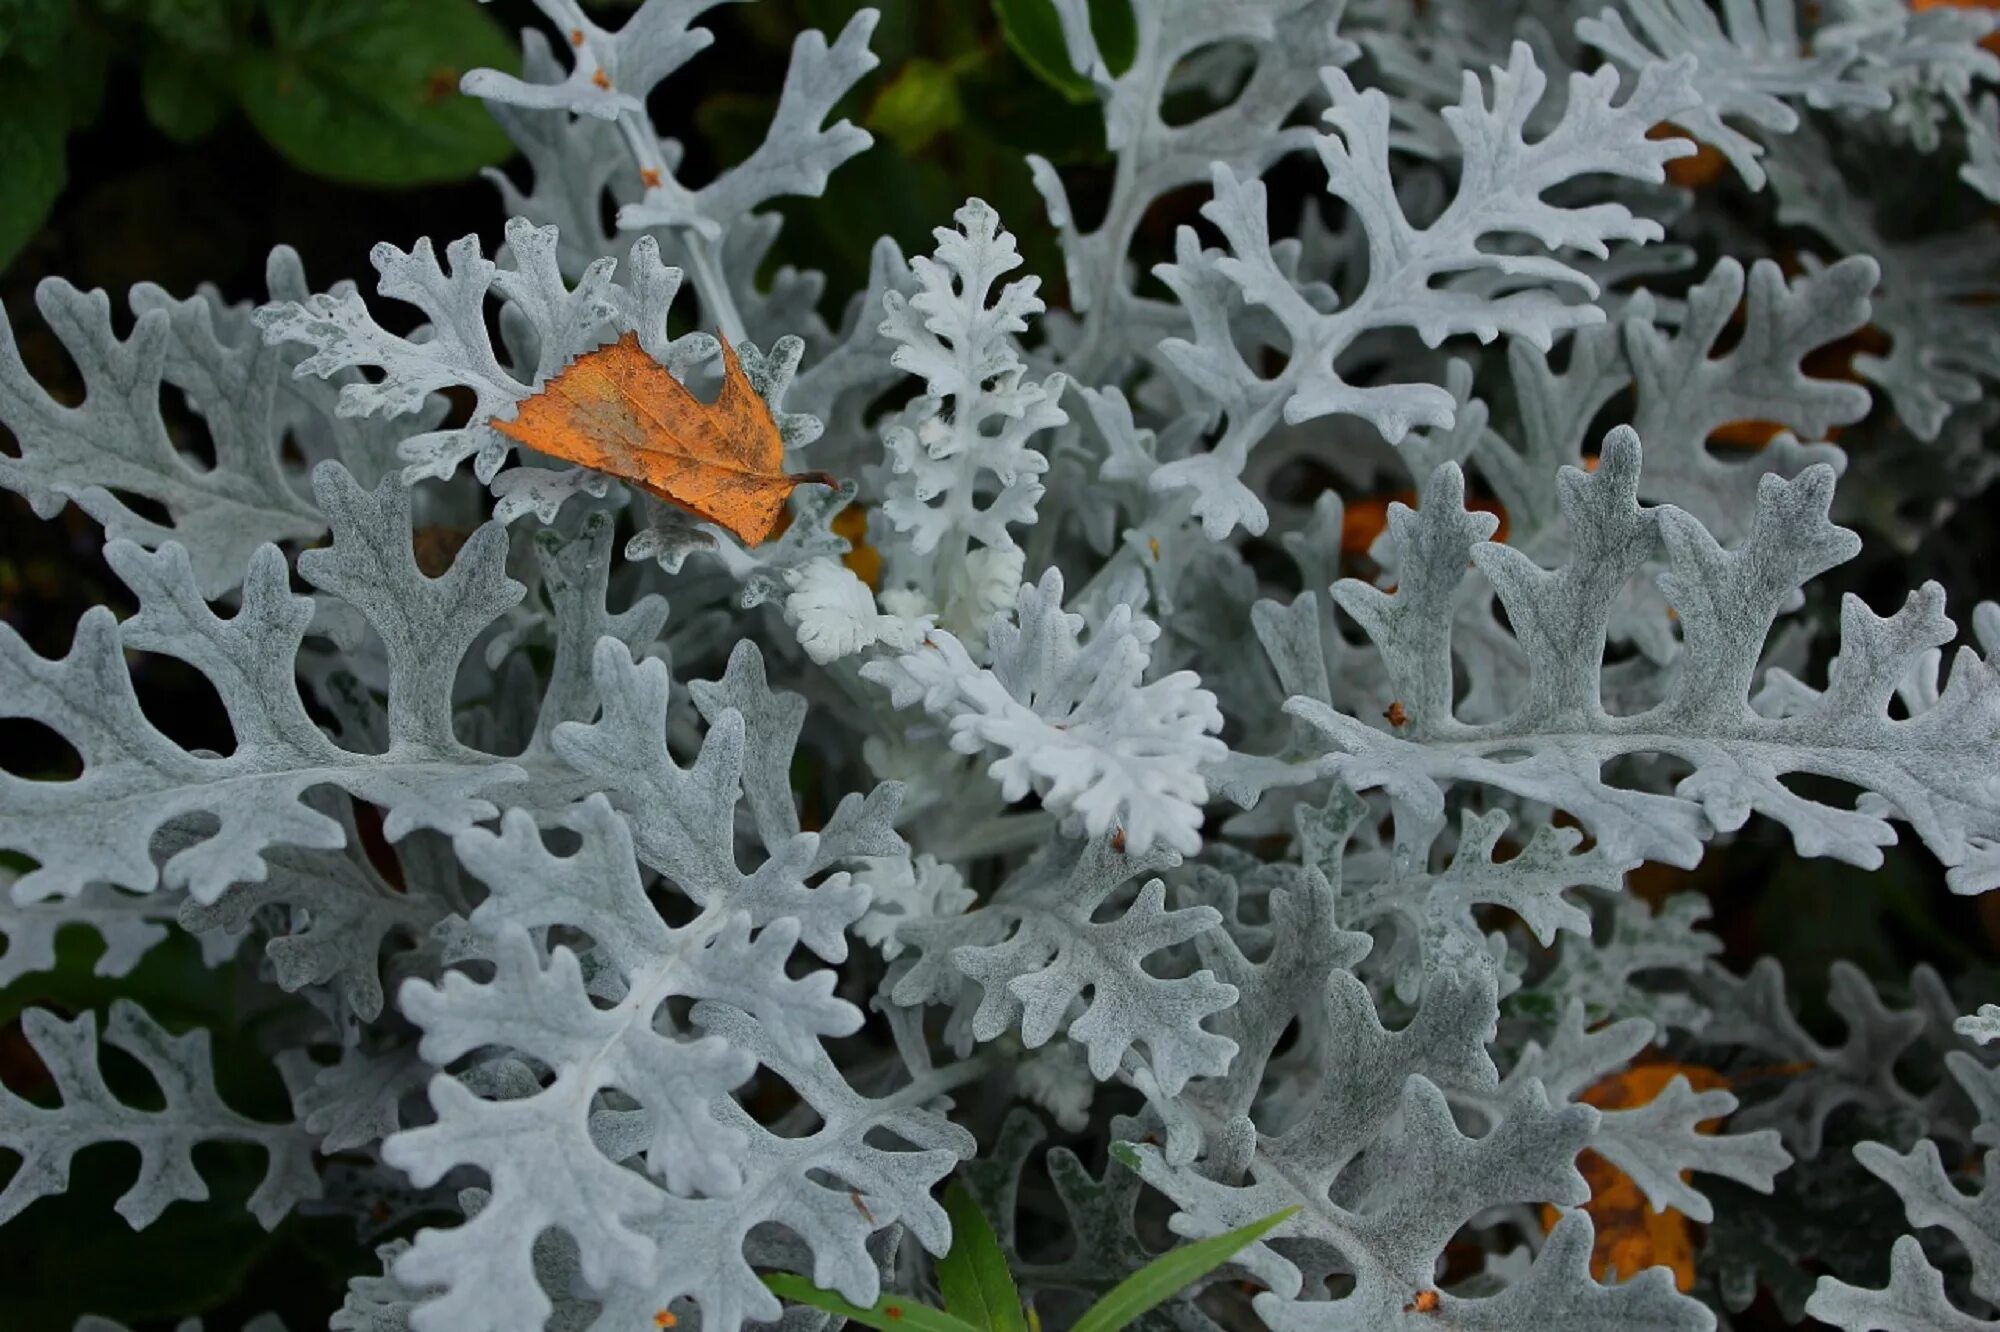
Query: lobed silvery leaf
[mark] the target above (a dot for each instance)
(1922, 769)
(1372, 1105)
(977, 413)
(1916, 1295)
(1981, 120)
(1035, 947)
(358, 1100)
(683, 820)
(903, 891)
(1751, 64)
(707, 1173)
(1686, 391)
(1601, 967)
(1913, 1301)
(334, 916)
(797, 154)
(1102, 1212)
(130, 925)
(1076, 722)
(574, 162)
(836, 614)
(1926, 61)
(1428, 916)
(1658, 1144)
(545, 321)
(1282, 45)
(1820, 1080)
(1983, 1026)
(1417, 276)
(117, 443)
(1933, 300)
(46, 1138)
(412, 763)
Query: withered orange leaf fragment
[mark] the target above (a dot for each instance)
(617, 410)
(1367, 517)
(1630, 1235)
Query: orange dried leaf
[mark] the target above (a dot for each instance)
(1701, 169)
(617, 410)
(1746, 434)
(862, 559)
(1364, 519)
(1631, 1236)
(1832, 360)
(1655, 881)
(436, 547)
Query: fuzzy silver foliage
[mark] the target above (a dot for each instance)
(727, 901)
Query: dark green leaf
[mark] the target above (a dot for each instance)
(198, 25)
(54, 1266)
(891, 1313)
(1033, 31)
(1171, 1273)
(171, 982)
(181, 93)
(906, 28)
(974, 1278)
(35, 32)
(1035, 34)
(918, 105)
(34, 128)
(366, 91)
(1117, 33)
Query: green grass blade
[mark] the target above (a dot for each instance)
(891, 1313)
(974, 1277)
(1172, 1273)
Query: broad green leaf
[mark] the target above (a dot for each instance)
(366, 91)
(1033, 31)
(919, 104)
(974, 1278)
(209, 26)
(182, 96)
(1117, 33)
(171, 982)
(1172, 1273)
(54, 1265)
(906, 29)
(34, 128)
(891, 1313)
(36, 32)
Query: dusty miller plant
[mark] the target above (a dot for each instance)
(734, 899)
